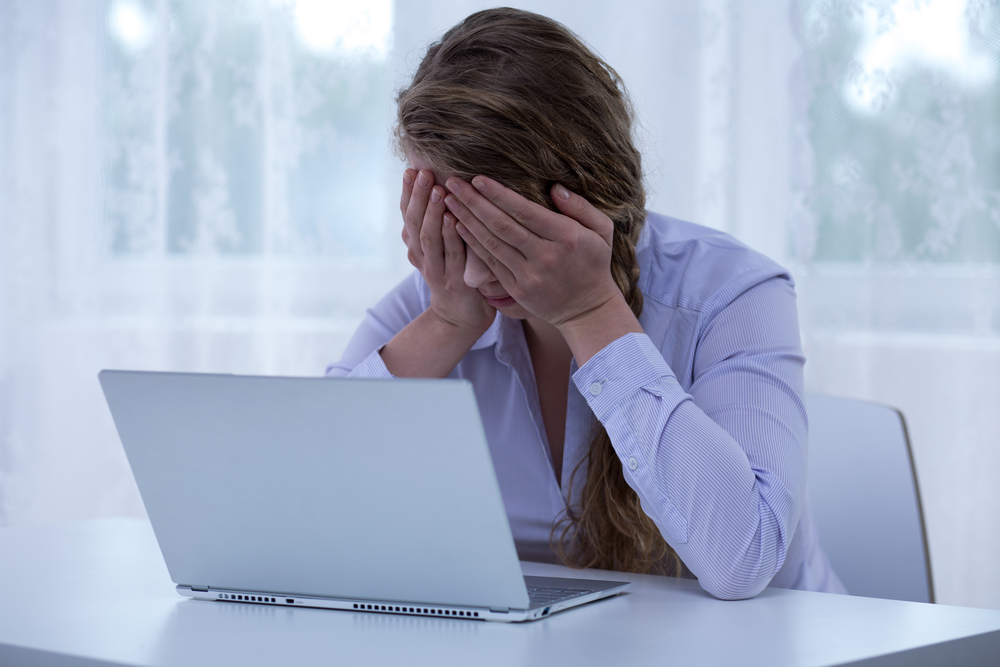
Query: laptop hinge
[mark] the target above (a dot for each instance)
(200, 589)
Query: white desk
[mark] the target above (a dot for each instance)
(97, 592)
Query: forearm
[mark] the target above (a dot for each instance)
(593, 331)
(405, 308)
(729, 521)
(721, 479)
(428, 347)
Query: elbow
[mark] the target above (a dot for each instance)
(734, 586)
(742, 571)
(745, 574)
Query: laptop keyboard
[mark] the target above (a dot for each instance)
(540, 597)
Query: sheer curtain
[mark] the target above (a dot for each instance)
(895, 224)
(209, 187)
(186, 186)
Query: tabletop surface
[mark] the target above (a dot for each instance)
(98, 592)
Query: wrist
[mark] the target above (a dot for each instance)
(590, 332)
(428, 347)
(449, 329)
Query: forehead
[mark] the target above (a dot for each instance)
(417, 162)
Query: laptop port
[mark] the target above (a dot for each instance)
(290, 600)
(545, 612)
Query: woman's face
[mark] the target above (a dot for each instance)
(477, 274)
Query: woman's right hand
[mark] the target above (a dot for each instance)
(438, 252)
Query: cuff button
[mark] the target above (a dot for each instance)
(595, 388)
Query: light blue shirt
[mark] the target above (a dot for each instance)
(704, 409)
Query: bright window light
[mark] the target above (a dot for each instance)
(914, 33)
(345, 27)
(131, 25)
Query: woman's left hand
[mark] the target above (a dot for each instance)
(557, 266)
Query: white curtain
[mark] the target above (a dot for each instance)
(895, 224)
(186, 186)
(209, 187)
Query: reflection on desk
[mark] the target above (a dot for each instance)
(97, 592)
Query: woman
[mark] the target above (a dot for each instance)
(639, 377)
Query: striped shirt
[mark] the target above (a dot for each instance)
(705, 410)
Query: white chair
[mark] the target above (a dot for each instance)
(864, 498)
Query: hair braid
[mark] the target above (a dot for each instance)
(608, 529)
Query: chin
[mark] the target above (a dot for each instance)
(515, 311)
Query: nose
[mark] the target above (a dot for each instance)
(477, 274)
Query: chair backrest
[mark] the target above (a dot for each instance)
(864, 498)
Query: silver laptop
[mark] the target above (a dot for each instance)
(364, 495)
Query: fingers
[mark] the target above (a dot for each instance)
(409, 175)
(454, 248)
(404, 200)
(508, 216)
(498, 254)
(417, 194)
(581, 210)
(500, 270)
(431, 242)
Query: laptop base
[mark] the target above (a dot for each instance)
(596, 590)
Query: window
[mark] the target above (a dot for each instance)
(245, 129)
(904, 125)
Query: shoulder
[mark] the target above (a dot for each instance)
(692, 267)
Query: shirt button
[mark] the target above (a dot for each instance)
(632, 463)
(595, 388)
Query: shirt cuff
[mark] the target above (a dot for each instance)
(623, 367)
(373, 367)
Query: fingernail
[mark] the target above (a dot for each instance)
(451, 203)
(562, 192)
(454, 185)
(479, 184)
(448, 219)
(435, 195)
(460, 228)
(408, 177)
(422, 179)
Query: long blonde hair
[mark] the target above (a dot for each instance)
(519, 98)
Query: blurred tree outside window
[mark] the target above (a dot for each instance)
(904, 128)
(245, 128)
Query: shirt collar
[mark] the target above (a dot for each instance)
(492, 334)
(511, 347)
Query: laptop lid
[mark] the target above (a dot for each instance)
(370, 489)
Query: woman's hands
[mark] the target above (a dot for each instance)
(437, 251)
(556, 265)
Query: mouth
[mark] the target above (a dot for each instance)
(500, 300)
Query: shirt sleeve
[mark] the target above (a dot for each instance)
(720, 467)
(361, 358)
